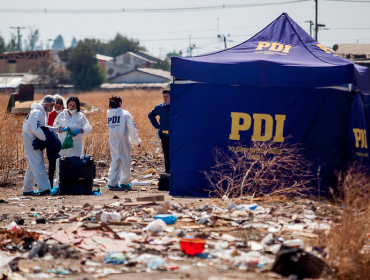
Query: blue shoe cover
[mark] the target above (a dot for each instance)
(54, 191)
(30, 193)
(122, 186)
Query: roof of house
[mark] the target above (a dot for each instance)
(147, 56)
(26, 54)
(155, 72)
(352, 48)
(14, 80)
(141, 57)
(103, 57)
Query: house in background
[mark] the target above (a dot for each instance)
(142, 76)
(103, 59)
(357, 53)
(129, 61)
(22, 62)
(10, 82)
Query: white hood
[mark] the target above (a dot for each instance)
(112, 112)
(38, 106)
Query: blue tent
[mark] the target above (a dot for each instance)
(279, 83)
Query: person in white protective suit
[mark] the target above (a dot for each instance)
(71, 119)
(122, 131)
(36, 171)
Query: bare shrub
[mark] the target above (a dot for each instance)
(265, 167)
(348, 242)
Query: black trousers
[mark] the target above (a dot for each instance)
(166, 152)
(52, 167)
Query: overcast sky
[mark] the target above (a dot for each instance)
(162, 32)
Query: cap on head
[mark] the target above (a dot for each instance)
(48, 99)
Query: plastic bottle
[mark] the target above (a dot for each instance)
(110, 217)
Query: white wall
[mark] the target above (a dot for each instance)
(136, 77)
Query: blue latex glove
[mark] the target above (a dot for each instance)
(65, 128)
(76, 132)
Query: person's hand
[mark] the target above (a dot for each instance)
(157, 133)
(76, 132)
(66, 128)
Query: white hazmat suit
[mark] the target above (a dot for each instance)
(122, 131)
(76, 121)
(35, 166)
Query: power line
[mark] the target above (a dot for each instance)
(342, 28)
(149, 10)
(350, 1)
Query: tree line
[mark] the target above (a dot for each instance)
(80, 66)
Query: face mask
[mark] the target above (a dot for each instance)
(48, 110)
(58, 111)
(72, 112)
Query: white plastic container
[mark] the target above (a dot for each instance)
(294, 243)
(110, 217)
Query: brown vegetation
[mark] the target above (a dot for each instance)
(137, 102)
(268, 168)
(348, 242)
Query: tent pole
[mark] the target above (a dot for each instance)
(316, 25)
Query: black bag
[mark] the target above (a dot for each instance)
(298, 262)
(76, 178)
(164, 182)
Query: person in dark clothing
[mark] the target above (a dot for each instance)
(58, 108)
(163, 127)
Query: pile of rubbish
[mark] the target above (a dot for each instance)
(150, 234)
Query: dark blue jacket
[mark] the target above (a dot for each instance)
(52, 144)
(163, 111)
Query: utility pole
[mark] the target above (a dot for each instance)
(19, 28)
(223, 37)
(311, 24)
(191, 46)
(317, 25)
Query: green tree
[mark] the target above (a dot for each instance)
(2, 45)
(166, 63)
(51, 73)
(58, 43)
(12, 45)
(119, 45)
(33, 37)
(74, 43)
(162, 64)
(86, 73)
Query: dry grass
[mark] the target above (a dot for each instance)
(348, 242)
(138, 102)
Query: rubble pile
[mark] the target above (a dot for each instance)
(146, 234)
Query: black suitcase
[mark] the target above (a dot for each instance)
(164, 182)
(76, 177)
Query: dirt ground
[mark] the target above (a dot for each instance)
(14, 206)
